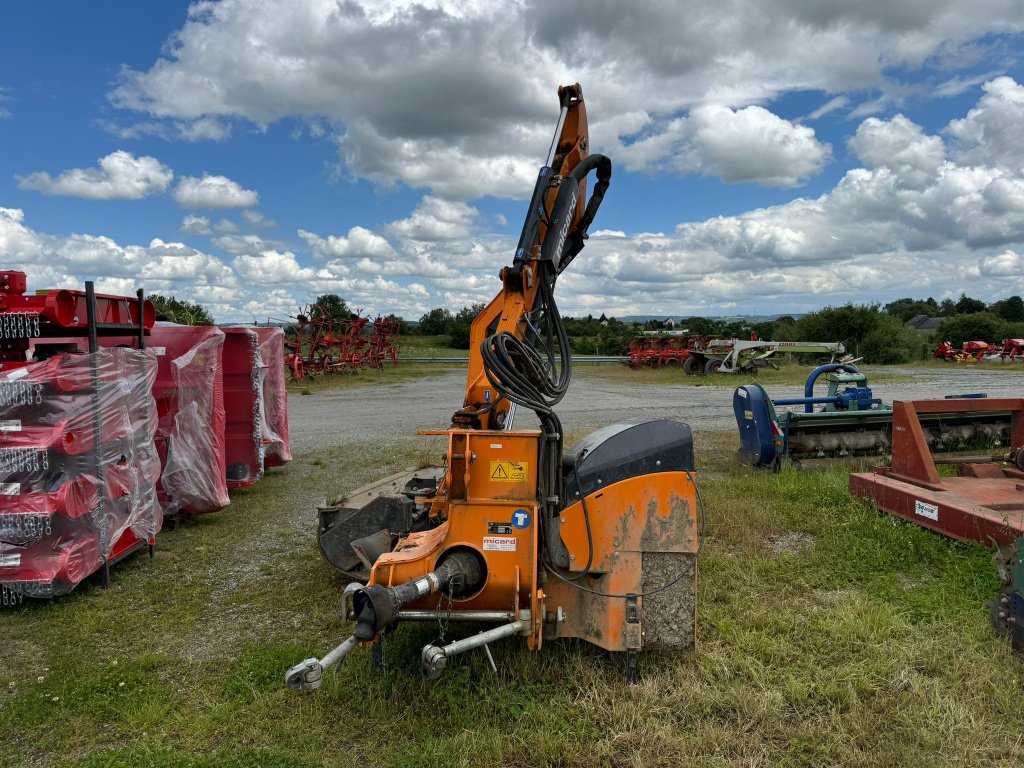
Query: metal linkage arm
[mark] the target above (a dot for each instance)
(377, 609)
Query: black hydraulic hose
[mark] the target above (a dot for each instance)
(603, 165)
(376, 607)
(574, 242)
(518, 372)
(586, 519)
(529, 371)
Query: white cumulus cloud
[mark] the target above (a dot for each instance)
(273, 267)
(360, 242)
(991, 132)
(470, 85)
(1006, 264)
(435, 219)
(196, 225)
(213, 192)
(750, 144)
(263, 280)
(924, 211)
(257, 219)
(901, 145)
(119, 176)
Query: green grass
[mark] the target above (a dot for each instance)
(787, 373)
(370, 377)
(829, 635)
(428, 346)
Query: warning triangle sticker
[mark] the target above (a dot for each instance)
(499, 473)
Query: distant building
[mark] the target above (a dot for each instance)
(924, 325)
(667, 324)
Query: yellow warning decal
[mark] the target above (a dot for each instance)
(509, 471)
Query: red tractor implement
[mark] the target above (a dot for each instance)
(983, 503)
(321, 346)
(971, 352)
(78, 466)
(1012, 349)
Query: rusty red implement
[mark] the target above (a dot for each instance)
(983, 503)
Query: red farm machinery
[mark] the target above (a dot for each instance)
(983, 502)
(111, 422)
(705, 355)
(78, 467)
(1006, 351)
(320, 345)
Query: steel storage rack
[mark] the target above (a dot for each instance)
(78, 465)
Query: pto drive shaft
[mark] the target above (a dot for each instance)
(376, 609)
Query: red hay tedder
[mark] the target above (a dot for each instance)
(321, 345)
(1013, 349)
(1007, 351)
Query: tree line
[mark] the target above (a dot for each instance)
(876, 332)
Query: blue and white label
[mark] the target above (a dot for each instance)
(521, 519)
(924, 509)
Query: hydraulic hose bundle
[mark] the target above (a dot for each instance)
(534, 371)
(530, 371)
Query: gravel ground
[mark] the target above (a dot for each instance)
(331, 418)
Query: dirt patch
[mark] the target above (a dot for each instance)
(790, 543)
(910, 583)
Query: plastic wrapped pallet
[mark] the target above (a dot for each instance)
(275, 397)
(78, 468)
(190, 400)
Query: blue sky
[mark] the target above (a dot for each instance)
(261, 153)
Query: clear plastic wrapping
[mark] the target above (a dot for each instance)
(191, 433)
(243, 408)
(274, 395)
(78, 467)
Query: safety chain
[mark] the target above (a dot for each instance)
(442, 625)
(19, 325)
(382, 665)
(23, 460)
(23, 529)
(20, 393)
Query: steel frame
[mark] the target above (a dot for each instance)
(985, 503)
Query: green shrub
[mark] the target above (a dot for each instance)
(890, 342)
(978, 326)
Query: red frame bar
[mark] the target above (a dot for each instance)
(985, 504)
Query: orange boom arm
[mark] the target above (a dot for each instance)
(553, 234)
